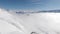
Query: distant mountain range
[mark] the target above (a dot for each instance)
(49, 11)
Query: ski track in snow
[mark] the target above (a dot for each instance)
(38, 23)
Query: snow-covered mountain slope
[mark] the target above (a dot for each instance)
(38, 23)
(9, 23)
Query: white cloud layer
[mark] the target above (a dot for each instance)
(41, 23)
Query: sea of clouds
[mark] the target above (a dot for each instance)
(38, 23)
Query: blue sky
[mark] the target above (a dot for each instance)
(30, 4)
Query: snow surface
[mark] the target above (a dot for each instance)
(40, 23)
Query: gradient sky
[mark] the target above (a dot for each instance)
(30, 4)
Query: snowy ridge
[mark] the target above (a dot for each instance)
(11, 21)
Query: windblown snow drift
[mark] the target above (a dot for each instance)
(35, 23)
